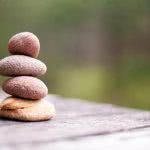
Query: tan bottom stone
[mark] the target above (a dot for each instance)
(40, 111)
(18, 103)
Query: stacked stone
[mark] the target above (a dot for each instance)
(27, 102)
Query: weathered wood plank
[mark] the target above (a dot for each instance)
(75, 120)
(129, 140)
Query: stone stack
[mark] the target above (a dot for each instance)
(26, 102)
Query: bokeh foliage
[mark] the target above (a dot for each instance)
(96, 50)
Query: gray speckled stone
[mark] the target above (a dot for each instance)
(18, 65)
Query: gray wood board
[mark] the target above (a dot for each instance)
(75, 120)
(138, 139)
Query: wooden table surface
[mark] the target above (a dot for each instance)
(78, 125)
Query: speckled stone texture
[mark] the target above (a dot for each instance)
(26, 102)
(24, 43)
(25, 87)
(20, 65)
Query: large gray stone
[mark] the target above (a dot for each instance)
(18, 65)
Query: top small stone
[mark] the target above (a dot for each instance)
(24, 43)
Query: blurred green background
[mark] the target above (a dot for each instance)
(95, 49)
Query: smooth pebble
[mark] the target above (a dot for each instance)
(24, 43)
(38, 112)
(20, 65)
(25, 87)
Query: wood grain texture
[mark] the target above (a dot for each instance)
(75, 120)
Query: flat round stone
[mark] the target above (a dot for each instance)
(24, 43)
(38, 112)
(20, 65)
(12, 103)
(25, 87)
